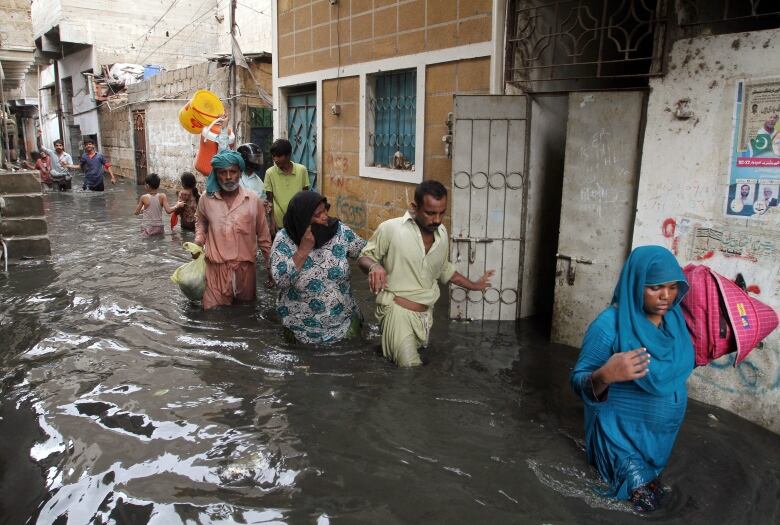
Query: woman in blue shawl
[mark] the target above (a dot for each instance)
(631, 373)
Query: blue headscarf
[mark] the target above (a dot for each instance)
(220, 161)
(670, 344)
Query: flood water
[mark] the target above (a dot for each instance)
(121, 402)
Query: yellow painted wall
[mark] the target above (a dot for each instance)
(362, 202)
(314, 35)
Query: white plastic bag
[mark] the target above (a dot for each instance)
(191, 277)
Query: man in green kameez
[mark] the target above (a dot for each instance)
(404, 259)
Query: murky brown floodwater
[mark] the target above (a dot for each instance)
(123, 403)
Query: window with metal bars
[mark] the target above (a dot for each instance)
(728, 16)
(568, 45)
(393, 106)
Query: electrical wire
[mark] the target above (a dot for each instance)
(253, 9)
(195, 20)
(148, 31)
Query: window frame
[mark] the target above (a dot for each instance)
(367, 85)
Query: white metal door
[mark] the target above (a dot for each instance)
(489, 154)
(598, 206)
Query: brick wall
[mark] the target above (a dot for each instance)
(314, 35)
(117, 140)
(362, 202)
(169, 148)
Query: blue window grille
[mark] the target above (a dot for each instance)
(394, 106)
(302, 132)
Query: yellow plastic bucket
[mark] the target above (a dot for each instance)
(201, 110)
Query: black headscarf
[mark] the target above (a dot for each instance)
(298, 218)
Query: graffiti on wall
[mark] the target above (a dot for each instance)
(753, 252)
(731, 242)
(730, 250)
(351, 211)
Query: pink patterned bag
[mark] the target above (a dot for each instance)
(722, 317)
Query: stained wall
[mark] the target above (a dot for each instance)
(684, 181)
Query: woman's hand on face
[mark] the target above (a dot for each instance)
(625, 366)
(307, 241)
(377, 278)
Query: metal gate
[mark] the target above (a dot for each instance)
(302, 131)
(139, 135)
(489, 166)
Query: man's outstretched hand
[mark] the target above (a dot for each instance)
(484, 281)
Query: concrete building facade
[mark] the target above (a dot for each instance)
(82, 39)
(627, 137)
(18, 74)
(684, 181)
(142, 134)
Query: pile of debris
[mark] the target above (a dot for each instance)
(111, 83)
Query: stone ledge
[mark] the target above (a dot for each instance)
(23, 227)
(20, 182)
(23, 206)
(19, 247)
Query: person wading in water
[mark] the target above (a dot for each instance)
(630, 375)
(404, 259)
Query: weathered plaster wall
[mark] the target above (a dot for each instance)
(16, 29)
(363, 202)
(684, 177)
(136, 32)
(117, 143)
(169, 148)
(84, 109)
(254, 26)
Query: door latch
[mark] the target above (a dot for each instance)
(473, 241)
(571, 274)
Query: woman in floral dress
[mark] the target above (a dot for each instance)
(310, 265)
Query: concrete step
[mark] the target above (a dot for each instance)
(29, 205)
(27, 246)
(25, 226)
(22, 224)
(19, 182)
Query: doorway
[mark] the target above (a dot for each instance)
(302, 130)
(139, 141)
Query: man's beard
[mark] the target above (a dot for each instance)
(430, 228)
(228, 186)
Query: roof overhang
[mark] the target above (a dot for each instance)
(15, 62)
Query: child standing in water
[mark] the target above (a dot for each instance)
(188, 200)
(152, 204)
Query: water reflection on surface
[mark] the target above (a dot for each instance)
(122, 402)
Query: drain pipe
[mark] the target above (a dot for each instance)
(2, 242)
(5, 253)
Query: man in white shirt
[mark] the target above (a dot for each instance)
(61, 164)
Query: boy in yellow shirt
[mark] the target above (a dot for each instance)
(283, 180)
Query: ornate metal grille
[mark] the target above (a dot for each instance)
(394, 105)
(302, 132)
(698, 12)
(584, 44)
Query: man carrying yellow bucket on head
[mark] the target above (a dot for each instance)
(205, 115)
(215, 138)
